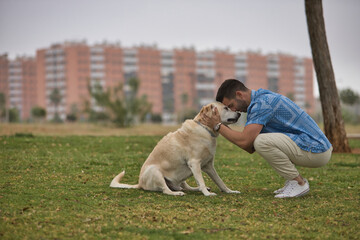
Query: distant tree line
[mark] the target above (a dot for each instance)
(124, 108)
(350, 107)
(117, 105)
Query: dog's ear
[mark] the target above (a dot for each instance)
(207, 110)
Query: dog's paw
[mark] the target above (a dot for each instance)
(232, 191)
(179, 193)
(210, 194)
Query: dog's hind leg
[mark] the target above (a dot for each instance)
(186, 187)
(153, 180)
(172, 186)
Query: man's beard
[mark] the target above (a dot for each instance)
(241, 105)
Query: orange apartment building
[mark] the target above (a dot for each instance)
(70, 67)
(65, 67)
(184, 78)
(149, 73)
(18, 84)
(173, 80)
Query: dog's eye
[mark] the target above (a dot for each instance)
(226, 108)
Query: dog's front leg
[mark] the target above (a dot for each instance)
(210, 170)
(194, 165)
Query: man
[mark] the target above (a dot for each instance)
(279, 130)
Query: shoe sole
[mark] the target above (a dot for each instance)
(303, 193)
(299, 195)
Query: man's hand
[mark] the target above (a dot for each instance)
(213, 120)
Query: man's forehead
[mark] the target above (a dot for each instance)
(227, 102)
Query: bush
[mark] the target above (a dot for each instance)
(156, 118)
(14, 115)
(123, 107)
(38, 113)
(71, 117)
(349, 117)
(57, 118)
(98, 116)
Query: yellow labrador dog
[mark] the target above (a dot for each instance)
(181, 154)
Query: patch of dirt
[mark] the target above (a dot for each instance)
(355, 151)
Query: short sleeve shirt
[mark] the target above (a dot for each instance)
(278, 114)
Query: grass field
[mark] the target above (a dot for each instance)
(57, 187)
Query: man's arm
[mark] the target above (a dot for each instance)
(244, 139)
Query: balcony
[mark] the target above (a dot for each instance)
(97, 75)
(97, 67)
(206, 64)
(97, 58)
(206, 71)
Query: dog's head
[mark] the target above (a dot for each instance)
(226, 115)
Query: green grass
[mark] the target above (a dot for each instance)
(58, 188)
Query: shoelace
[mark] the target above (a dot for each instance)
(289, 188)
(284, 187)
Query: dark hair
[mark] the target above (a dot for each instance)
(228, 89)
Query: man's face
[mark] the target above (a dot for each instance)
(236, 104)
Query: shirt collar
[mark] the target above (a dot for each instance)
(252, 95)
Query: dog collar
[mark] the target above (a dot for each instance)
(211, 133)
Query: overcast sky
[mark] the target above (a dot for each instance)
(266, 25)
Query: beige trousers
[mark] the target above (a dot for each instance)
(283, 154)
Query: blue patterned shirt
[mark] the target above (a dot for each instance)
(278, 114)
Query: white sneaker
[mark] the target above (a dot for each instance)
(282, 189)
(293, 189)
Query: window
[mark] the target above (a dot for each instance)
(273, 84)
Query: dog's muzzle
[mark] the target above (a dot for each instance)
(234, 120)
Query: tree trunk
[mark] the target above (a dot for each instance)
(330, 102)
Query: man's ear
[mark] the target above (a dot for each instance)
(239, 94)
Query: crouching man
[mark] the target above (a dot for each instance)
(279, 130)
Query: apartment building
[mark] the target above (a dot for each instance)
(63, 74)
(70, 68)
(184, 75)
(4, 75)
(149, 73)
(106, 69)
(172, 80)
(18, 84)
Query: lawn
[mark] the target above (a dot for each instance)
(58, 188)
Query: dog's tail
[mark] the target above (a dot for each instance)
(115, 183)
